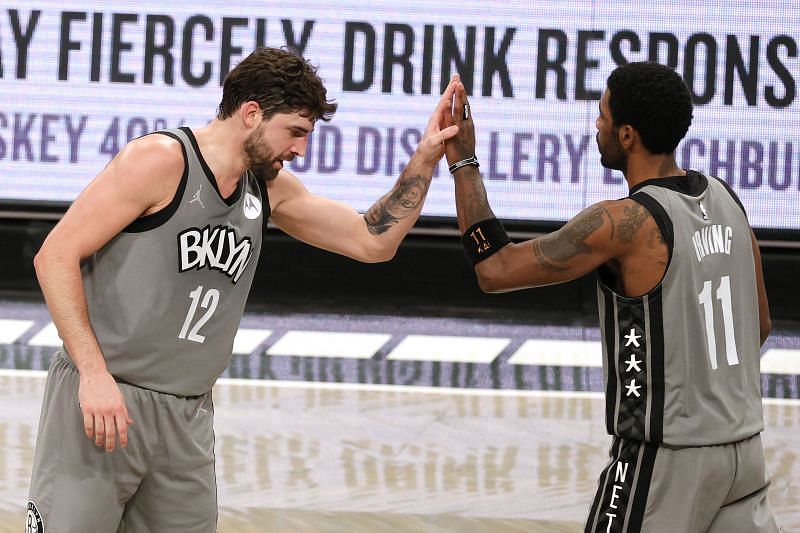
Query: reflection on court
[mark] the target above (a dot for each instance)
(332, 457)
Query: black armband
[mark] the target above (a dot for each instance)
(484, 239)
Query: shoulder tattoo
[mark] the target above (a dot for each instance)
(634, 218)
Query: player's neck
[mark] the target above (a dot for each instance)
(645, 167)
(221, 146)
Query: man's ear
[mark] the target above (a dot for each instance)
(250, 112)
(627, 137)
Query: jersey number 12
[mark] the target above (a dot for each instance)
(209, 303)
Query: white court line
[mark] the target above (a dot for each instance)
(14, 372)
(11, 330)
(448, 349)
(780, 361)
(559, 353)
(368, 387)
(329, 344)
(247, 340)
(48, 336)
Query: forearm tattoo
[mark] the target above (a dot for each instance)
(474, 200)
(569, 241)
(397, 204)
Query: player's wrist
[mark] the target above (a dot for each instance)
(92, 370)
(469, 161)
(421, 165)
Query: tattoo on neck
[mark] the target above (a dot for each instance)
(399, 203)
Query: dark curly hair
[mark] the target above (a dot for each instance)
(654, 100)
(280, 81)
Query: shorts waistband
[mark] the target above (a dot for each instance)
(64, 356)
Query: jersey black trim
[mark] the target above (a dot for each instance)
(265, 207)
(160, 217)
(661, 218)
(692, 184)
(733, 194)
(655, 310)
(611, 352)
(602, 482)
(642, 490)
(619, 504)
(234, 197)
(630, 416)
(607, 276)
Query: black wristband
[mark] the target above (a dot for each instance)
(484, 239)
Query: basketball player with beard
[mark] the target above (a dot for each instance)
(146, 278)
(683, 313)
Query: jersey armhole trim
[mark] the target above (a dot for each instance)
(236, 194)
(661, 218)
(733, 195)
(159, 218)
(264, 193)
(664, 223)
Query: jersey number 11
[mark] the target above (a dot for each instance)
(724, 296)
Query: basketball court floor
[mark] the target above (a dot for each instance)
(355, 423)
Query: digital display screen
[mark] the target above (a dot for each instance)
(80, 79)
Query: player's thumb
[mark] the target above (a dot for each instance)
(447, 133)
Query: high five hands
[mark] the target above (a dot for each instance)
(460, 147)
(439, 128)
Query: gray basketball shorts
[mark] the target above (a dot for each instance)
(714, 489)
(163, 481)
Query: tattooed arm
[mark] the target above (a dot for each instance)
(376, 235)
(606, 232)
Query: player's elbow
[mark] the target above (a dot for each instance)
(488, 285)
(52, 258)
(380, 258)
(42, 261)
(765, 328)
(37, 262)
(492, 276)
(377, 253)
(42, 258)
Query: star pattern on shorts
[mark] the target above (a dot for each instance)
(633, 388)
(633, 363)
(632, 338)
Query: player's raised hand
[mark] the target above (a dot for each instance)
(462, 145)
(431, 146)
(105, 414)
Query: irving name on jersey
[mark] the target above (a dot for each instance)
(713, 239)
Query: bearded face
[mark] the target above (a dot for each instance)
(261, 160)
(611, 153)
(279, 138)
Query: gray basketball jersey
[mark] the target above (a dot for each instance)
(167, 294)
(681, 363)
